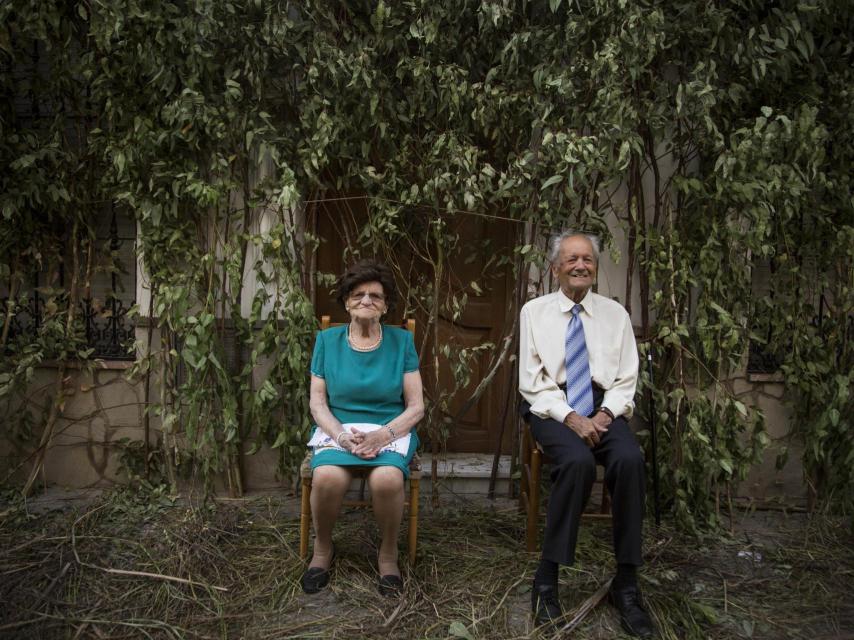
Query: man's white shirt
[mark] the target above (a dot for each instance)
(611, 350)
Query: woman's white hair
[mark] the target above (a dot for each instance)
(556, 240)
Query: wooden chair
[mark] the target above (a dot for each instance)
(529, 495)
(362, 474)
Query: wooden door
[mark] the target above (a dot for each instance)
(486, 317)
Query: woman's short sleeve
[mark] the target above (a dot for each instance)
(410, 356)
(318, 360)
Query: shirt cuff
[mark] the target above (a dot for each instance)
(555, 409)
(558, 412)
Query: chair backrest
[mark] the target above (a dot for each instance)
(325, 323)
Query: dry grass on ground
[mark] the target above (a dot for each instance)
(68, 573)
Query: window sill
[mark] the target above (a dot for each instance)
(775, 376)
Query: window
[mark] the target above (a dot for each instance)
(105, 297)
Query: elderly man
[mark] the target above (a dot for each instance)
(578, 368)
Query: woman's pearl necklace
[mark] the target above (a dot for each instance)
(371, 347)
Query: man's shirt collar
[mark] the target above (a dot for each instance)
(566, 305)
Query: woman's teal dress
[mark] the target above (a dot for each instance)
(364, 386)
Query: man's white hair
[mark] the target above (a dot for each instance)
(556, 240)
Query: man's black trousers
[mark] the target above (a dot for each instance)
(573, 472)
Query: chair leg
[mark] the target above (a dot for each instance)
(305, 517)
(531, 533)
(524, 488)
(606, 499)
(414, 490)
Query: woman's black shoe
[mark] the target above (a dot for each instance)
(315, 578)
(390, 586)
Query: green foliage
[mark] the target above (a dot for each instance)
(772, 190)
(717, 138)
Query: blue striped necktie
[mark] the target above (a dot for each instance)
(579, 392)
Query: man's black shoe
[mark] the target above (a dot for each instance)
(545, 604)
(633, 616)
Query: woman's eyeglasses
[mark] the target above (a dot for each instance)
(358, 296)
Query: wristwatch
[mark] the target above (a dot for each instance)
(607, 412)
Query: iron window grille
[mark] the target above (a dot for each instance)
(104, 312)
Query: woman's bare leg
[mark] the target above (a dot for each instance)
(328, 485)
(386, 485)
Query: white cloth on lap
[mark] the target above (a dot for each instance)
(320, 441)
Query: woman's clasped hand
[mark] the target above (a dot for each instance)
(364, 445)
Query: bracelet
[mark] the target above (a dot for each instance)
(338, 439)
(391, 431)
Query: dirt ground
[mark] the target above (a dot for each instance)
(137, 564)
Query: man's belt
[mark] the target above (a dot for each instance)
(598, 394)
(596, 387)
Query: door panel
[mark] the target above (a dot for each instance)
(484, 318)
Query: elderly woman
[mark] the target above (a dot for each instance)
(364, 375)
